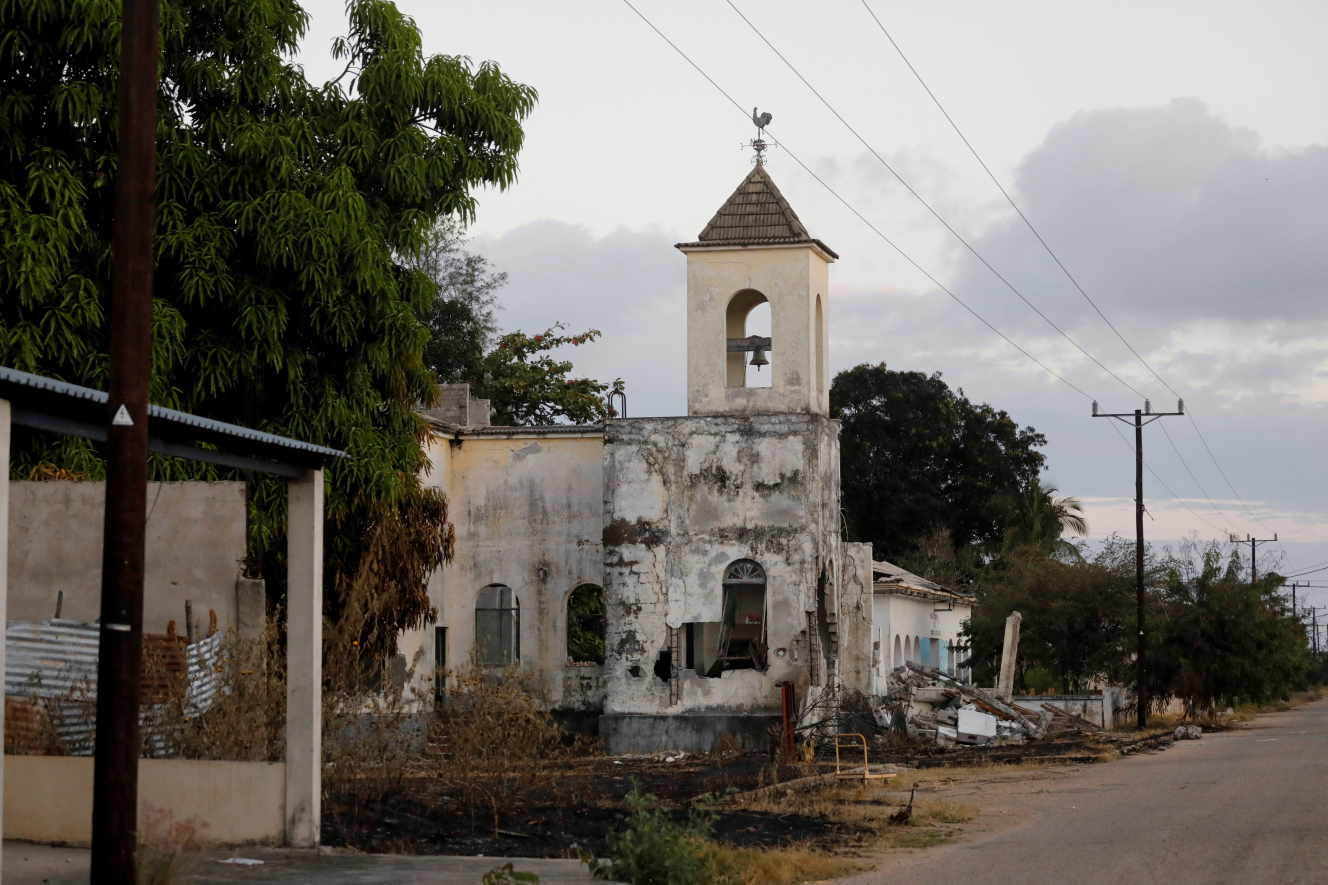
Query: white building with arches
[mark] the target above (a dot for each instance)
(714, 538)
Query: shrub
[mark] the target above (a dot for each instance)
(497, 740)
(654, 849)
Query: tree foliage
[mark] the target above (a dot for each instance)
(1215, 639)
(526, 384)
(1220, 640)
(1078, 619)
(918, 458)
(282, 204)
(460, 318)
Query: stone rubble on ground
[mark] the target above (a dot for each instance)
(934, 707)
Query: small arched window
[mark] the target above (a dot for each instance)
(819, 332)
(497, 627)
(586, 624)
(898, 659)
(748, 323)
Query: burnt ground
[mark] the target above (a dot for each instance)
(584, 801)
(580, 801)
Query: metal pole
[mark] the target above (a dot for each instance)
(120, 659)
(1254, 569)
(1141, 668)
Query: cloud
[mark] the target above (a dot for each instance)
(628, 284)
(1204, 246)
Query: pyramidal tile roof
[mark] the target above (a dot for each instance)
(756, 215)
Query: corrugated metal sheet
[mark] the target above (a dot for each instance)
(56, 661)
(28, 380)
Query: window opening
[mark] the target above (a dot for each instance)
(748, 323)
(586, 624)
(497, 627)
(742, 643)
(439, 663)
(825, 626)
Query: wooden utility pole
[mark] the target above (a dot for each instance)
(120, 655)
(1136, 418)
(1254, 551)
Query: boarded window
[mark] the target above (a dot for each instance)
(497, 627)
(586, 624)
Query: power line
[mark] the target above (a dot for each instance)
(888, 241)
(926, 205)
(1060, 264)
(1312, 571)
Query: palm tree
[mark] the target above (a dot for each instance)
(1041, 517)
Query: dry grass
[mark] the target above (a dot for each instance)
(944, 811)
(779, 866)
(496, 740)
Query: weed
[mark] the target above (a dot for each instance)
(653, 849)
(506, 875)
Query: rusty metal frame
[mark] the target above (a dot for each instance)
(866, 774)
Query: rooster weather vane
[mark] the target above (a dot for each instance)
(759, 143)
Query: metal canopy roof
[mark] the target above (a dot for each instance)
(47, 404)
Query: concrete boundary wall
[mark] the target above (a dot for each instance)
(49, 798)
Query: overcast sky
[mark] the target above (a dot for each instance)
(1173, 154)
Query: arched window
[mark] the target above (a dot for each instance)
(586, 624)
(748, 325)
(497, 627)
(819, 332)
(897, 660)
(742, 630)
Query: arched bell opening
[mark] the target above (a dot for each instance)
(748, 324)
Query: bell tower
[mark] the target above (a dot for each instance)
(755, 258)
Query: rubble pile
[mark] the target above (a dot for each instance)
(937, 708)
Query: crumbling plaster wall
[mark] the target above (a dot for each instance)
(527, 505)
(684, 498)
(856, 610)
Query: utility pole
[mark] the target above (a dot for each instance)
(1141, 651)
(1254, 550)
(120, 653)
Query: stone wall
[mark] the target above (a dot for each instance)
(684, 498)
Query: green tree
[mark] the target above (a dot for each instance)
(1039, 520)
(1220, 640)
(918, 457)
(526, 384)
(282, 204)
(460, 318)
(1078, 619)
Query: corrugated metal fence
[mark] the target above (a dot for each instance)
(55, 662)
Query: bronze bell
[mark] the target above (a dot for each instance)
(758, 358)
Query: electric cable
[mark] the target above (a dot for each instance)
(898, 249)
(1059, 263)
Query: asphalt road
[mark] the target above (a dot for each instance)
(1244, 806)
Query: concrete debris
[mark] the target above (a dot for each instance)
(1188, 732)
(934, 707)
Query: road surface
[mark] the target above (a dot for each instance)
(1243, 806)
